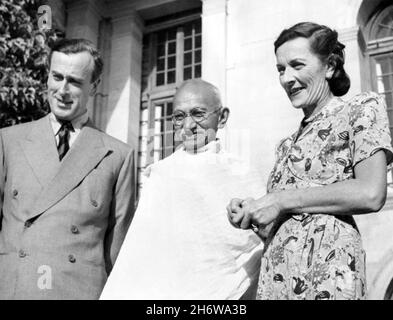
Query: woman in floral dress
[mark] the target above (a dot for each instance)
(332, 167)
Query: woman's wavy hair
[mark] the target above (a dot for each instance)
(324, 43)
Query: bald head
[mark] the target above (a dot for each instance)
(199, 104)
(190, 89)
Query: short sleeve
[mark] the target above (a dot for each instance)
(369, 127)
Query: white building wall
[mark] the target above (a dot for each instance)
(238, 37)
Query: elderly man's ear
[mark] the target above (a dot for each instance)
(222, 120)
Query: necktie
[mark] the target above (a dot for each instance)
(64, 136)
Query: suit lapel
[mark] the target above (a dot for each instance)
(40, 150)
(88, 150)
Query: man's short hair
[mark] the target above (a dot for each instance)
(72, 46)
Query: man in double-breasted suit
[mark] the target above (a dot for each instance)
(67, 195)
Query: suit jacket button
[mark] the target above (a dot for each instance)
(28, 224)
(71, 258)
(14, 192)
(74, 229)
(22, 253)
(94, 203)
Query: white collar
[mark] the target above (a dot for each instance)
(212, 147)
(77, 123)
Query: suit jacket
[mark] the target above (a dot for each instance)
(62, 223)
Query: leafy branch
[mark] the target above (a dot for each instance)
(24, 53)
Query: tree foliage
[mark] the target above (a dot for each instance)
(24, 52)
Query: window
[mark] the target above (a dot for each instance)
(192, 51)
(380, 51)
(178, 53)
(384, 78)
(170, 56)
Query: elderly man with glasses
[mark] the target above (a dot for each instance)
(198, 114)
(180, 244)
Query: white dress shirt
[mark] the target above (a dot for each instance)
(78, 123)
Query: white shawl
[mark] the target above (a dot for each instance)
(180, 244)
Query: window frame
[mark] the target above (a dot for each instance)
(162, 91)
(378, 47)
(153, 95)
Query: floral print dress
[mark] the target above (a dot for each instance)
(320, 256)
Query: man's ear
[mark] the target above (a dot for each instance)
(223, 118)
(95, 84)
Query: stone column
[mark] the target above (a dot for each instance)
(102, 94)
(122, 112)
(58, 14)
(83, 20)
(356, 65)
(214, 48)
(214, 43)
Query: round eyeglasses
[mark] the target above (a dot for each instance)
(198, 115)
